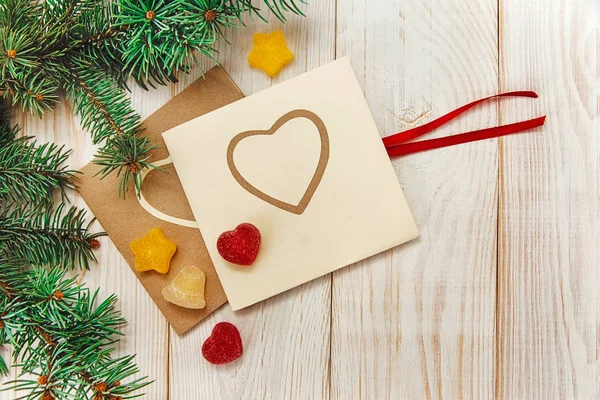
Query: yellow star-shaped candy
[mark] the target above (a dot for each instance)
(270, 53)
(153, 251)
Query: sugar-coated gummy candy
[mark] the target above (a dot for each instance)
(187, 288)
(240, 246)
(270, 52)
(224, 344)
(153, 252)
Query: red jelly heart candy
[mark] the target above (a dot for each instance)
(240, 246)
(223, 345)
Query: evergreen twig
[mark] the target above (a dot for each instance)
(63, 339)
(59, 331)
(90, 47)
(48, 237)
(62, 336)
(29, 171)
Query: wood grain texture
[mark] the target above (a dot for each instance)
(286, 338)
(549, 228)
(418, 321)
(485, 304)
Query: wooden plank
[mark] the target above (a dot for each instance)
(548, 314)
(418, 321)
(286, 338)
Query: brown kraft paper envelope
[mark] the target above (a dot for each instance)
(125, 220)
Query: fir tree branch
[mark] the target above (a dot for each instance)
(90, 47)
(60, 331)
(17, 13)
(104, 108)
(33, 93)
(108, 34)
(65, 340)
(99, 101)
(128, 156)
(31, 172)
(48, 237)
(7, 133)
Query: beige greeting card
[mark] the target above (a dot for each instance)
(303, 162)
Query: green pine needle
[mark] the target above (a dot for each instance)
(61, 331)
(44, 237)
(31, 172)
(64, 338)
(89, 48)
(127, 156)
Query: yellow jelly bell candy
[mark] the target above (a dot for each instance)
(270, 53)
(187, 289)
(153, 251)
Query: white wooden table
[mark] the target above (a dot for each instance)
(499, 296)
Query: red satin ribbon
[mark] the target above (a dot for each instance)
(396, 144)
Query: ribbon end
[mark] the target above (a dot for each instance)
(539, 121)
(526, 93)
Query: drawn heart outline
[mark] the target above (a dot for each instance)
(316, 178)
